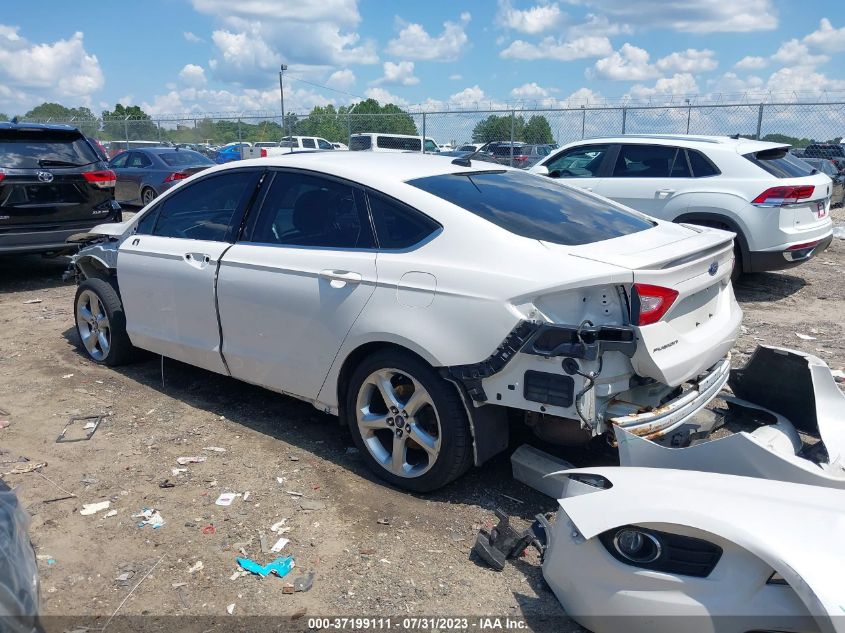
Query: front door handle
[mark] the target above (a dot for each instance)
(665, 193)
(198, 260)
(339, 278)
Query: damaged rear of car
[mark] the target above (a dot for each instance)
(641, 340)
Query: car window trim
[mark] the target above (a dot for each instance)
(239, 213)
(718, 172)
(248, 235)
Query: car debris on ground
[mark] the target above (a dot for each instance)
(280, 566)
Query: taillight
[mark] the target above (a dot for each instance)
(263, 153)
(176, 175)
(104, 179)
(650, 303)
(2, 174)
(778, 196)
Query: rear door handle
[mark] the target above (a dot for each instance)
(665, 193)
(339, 278)
(198, 260)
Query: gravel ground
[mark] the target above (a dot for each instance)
(375, 550)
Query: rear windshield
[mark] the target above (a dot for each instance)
(780, 163)
(534, 207)
(184, 158)
(358, 143)
(25, 149)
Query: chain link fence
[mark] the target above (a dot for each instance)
(798, 123)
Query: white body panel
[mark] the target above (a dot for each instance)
(285, 311)
(167, 287)
(762, 526)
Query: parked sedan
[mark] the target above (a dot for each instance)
(495, 290)
(144, 174)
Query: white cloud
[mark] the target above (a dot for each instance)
(341, 79)
(397, 74)
(582, 96)
(456, 77)
(599, 25)
(688, 61)
(414, 42)
(629, 63)
(31, 72)
(826, 38)
(558, 49)
(384, 97)
(697, 16)
(731, 83)
(680, 84)
(193, 100)
(751, 62)
(802, 79)
(543, 17)
(192, 75)
(473, 94)
(794, 53)
(192, 38)
(308, 33)
(530, 91)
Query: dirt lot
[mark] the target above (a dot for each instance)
(375, 550)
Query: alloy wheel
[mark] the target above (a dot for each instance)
(92, 322)
(398, 422)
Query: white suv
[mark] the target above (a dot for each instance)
(421, 299)
(778, 205)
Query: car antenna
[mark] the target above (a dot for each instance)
(464, 161)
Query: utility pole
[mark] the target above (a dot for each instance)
(282, 69)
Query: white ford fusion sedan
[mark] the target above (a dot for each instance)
(427, 302)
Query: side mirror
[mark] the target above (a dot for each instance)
(541, 170)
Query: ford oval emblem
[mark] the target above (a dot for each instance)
(45, 176)
(714, 268)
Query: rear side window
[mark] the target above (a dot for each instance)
(780, 163)
(534, 207)
(651, 161)
(399, 226)
(398, 142)
(205, 210)
(309, 143)
(31, 149)
(357, 143)
(305, 210)
(701, 165)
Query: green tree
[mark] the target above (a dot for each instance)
(389, 119)
(128, 121)
(4, 116)
(81, 117)
(325, 122)
(537, 131)
(498, 128)
(790, 140)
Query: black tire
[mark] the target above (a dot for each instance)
(148, 194)
(120, 349)
(455, 453)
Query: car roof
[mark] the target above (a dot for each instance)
(703, 142)
(369, 168)
(10, 125)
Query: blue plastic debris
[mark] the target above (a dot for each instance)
(281, 566)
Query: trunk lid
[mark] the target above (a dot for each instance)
(702, 323)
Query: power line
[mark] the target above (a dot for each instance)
(311, 83)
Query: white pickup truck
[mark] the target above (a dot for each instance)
(287, 145)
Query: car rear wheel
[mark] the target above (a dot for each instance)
(408, 422)
(148, 195)
(101, 324)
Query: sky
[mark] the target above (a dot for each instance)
(180, 56)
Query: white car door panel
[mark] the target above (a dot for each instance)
(288, 297)
(284, 311)
(167, 286)
(168, 268)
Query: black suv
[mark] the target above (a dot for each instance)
(52, 184)
(834, 152)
